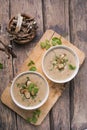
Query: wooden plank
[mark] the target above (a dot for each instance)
(56, 16)
(31, 8)
(78, 16)
(34, 9)
(55, 89)
(7, 117)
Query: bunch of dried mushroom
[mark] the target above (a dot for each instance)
(22, 28)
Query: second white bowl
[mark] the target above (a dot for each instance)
(60, 64)
(29, 90)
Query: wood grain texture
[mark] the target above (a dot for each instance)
(55, 89)
(7, 117)
(56, 17)
(78, 15)
(33, 9)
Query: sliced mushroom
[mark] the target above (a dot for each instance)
(22, 91)
(19, 23)
(60, 66)
(62, 56)
(28, 83)
(27, 95)
(32, 93)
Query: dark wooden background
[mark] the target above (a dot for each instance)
(68, 18)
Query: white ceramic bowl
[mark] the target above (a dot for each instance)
(35, 106)
(74, 72)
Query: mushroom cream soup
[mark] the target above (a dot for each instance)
(59, 63)
(29, 89)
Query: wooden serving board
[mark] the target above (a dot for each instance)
(55, 89)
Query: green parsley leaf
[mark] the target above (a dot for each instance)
(1, 66)
(33, 89)
(34, 117)
(37, 112)
(54, 43)
(71, 67)
(43, 45)
(33, 68)
(56, 40)
(48, 46)
(31, 86)
(31, 63)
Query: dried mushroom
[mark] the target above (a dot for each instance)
(22, 28)
(19, 23)
(22, 91)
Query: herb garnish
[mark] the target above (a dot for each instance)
(56, 41)
(1, 66)
(33, 68)
(28, 89)
(31, 65)
(43, 45)
(33, 89)
(71, 67)
(46, 44)
(59, 62)
(34, 117)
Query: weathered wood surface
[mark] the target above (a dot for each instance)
(35, 9)
(7, 117)
(67, 17)
(78, 15)
(56, 16)
(56, 90)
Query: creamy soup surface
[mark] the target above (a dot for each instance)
(59, 64)
(27, 95)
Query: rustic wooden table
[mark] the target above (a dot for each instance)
(68, 18)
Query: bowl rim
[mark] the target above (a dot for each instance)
(30, 107)
(77, 63)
